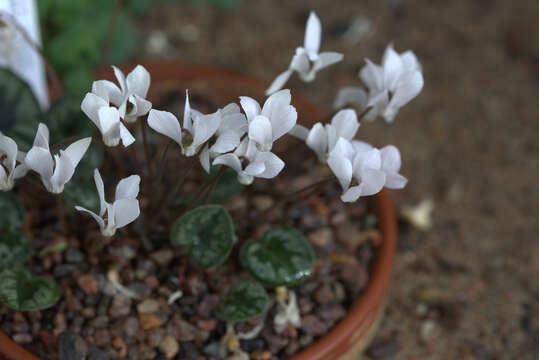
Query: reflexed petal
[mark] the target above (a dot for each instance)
(125, 135)
(300, 62)
(352, 194)
(395, 181)
(204, 127)
(351, 96)
(100, 191)
(300, 132)
(63, 171)
(345, 124)
(187, 116)
(372, 181)
(125, 212)
(250, 106)
(343, 148)
(367, 160)
(361, 146)
(282, 120)
(313, 33)
(128, 188)
(109, 118)
(166, 124)
(121, 79)
(393, 67)
(278, 83)
(342, 169)
(379, 100)
(99, 220)
(9, 148)
(108, 91)
(260, 131)
(229, 160)
(326, 59)
(40, 160)
(408, 87)
(272, 165)
(42, 136)
(274, 102)
(391, 159)
(77, 150)
(409, 61)
(226, 142)
(142, 105)
(205, 158)
(138, 81)
(372, 75)
(91, 105)
(19, 171)
(318, 141)
(255, 168)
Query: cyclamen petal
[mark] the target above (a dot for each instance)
(313, 34)
(260, 131)
(166, 124)
(9, 170)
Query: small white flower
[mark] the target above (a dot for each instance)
(130, 97)
(233, 126)
(55, 171)
(123, 211)
(9, 156)
(307, 61)
(276, 118)
(391, 85)
(260, 164)
(370, 167)
(107, 120)
(322, 138)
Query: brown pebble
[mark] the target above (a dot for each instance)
(169, 346)
(148, 306)
(149, 321)
(261, 355)
(313, 325)
(102, 337)
(121, 348)
(152, 282)
(60, 323)
(348, 234)
(155, 337)
(342, 258)
(385, 348)
(22, 338)
(324, 294)
(322, 237)
(88, 283)
(207, 324)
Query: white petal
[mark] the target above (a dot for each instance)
(20, 171)
(99, 220)
(204, 127)
(318, 141)
(300, 132)
(372, 181)
(313, 33)
(121, 79)
(226, 141)
(260, 131)
(63, 171)
(379, 101)
(77, 150)
(125, 212)
(345, 124)
(276, 101)
(391, 159)
(393, 67)
(342, 169)
(166, 124)
(187, 116)
(100, 191)
(409, 61)
(372, 75)
(255, 168)
(300, 62)
(42, 136)
(142, 105)
(128, 188)
(205, 158)
(350, 96)
(40, 160)
(367, 160)
(91, 105)
(361, 146)
(408, 87)
(108, 91)
(9, 148)
(250, 106)
(395, 181)
(273, 165)
(138, 81)
(326, 59)
(109, 125)
(278, 83)
(282, 120)
(343, 148)
(125, 135)
(229, 160)
(352, 194)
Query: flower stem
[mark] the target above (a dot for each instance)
(110, 30)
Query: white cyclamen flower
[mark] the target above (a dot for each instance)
(107, 120)
(391, 85)
(130, 97)
(323, 138)
(55, 171)
(276, 118)
(260, 164)
(370, 167)
(307, 61)
(9, 170)
(123, 211)
(198, 128)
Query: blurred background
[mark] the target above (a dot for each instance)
(466, 282)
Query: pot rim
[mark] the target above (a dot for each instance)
(361, 315)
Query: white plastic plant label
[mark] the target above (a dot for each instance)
(16, 53)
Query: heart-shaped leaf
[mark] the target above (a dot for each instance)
(23, 291)
(283, 257)
(243, 301)
(11, 210)
(17, 101)
(14, 249)
(208, 233)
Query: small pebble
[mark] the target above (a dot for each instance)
(148, 306)
(169, 346)
(88, 283)
(322, 237)
(384, 349)
(149, 321)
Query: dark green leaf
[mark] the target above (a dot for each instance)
(17, 101)
(283, 257)
(11, 210)
(65, 119)
(243, 301)
(208, 233)
(14, 249)
(23, 291)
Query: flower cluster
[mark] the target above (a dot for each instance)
(391, 85)
(128, 103)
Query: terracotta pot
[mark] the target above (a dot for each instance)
(351, 335)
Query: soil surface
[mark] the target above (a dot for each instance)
(466, 287)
